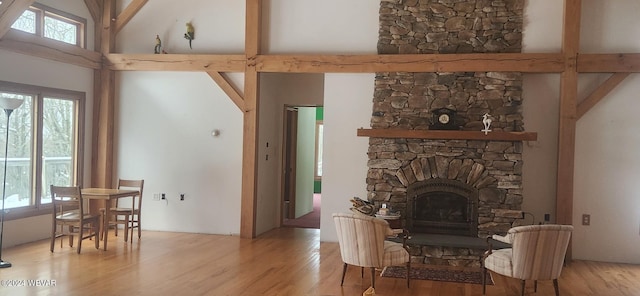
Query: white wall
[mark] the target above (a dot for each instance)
(348, 99)
(164, 126)
(330, 26)
(607, 143)
(219, 27)
(541, 99)
(166, 118)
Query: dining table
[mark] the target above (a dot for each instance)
(100, 198)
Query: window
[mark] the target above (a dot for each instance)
(53, 24)
(44, 146)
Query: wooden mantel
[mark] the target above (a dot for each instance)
(447, 135)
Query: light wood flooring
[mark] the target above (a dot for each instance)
(286, 261)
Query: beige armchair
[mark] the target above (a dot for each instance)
(537, 253)
(362, 243)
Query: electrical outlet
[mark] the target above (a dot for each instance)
(547, 217)
(181, 196)
(163, 196)
(156, 196)
(586, 219)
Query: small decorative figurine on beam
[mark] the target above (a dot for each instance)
(158, 48)
(190, 35)
(486, 120)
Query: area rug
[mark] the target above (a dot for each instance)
(437, 274)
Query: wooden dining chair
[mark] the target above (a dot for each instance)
(70, 218)
(128, 216)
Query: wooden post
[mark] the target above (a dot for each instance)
(251, 110)
(568, 114)
(102, 161)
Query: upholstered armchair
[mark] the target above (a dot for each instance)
(363, 243)
(537, 253)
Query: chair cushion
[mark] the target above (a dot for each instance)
(500, 262)
(394, 254)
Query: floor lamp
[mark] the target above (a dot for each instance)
(8, 104)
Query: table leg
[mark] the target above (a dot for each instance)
(94, 208)
(105, 224)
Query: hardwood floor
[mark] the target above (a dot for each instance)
(286, 261)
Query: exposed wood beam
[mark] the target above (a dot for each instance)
(175, 62)
(609, 63)
(568, 110)
(102, 161)
(248, 205)
(537, 63)
(95, 9)
(10, 11)
(128, 13)
(520, 62)
(602, 91)
(97, 84)
(29, 44)
(228, 88)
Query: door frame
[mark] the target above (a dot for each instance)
(289, 144)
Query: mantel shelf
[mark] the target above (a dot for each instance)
(447, 135)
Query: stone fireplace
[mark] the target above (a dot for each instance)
(458, 187)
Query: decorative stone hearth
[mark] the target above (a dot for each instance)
(493, 169)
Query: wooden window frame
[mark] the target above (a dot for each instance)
(39, 93)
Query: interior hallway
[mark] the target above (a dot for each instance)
(311, 220)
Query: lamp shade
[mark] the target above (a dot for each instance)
(10, 103)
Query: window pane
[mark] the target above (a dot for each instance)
(58, 138)
(60, 30)
(26, 22)
(19, 162)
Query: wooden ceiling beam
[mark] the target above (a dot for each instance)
(175, 62)
(29, 44)
(128, 13)
(599, 94)
(531, 63)
(228, 89)
(95, 9)
(609, 63)
(519, 62)
(10, 11)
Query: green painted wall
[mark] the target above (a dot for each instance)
(317, 184)
(306, 154)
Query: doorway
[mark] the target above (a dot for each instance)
(302, 163)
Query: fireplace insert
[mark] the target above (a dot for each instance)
(442, 206)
